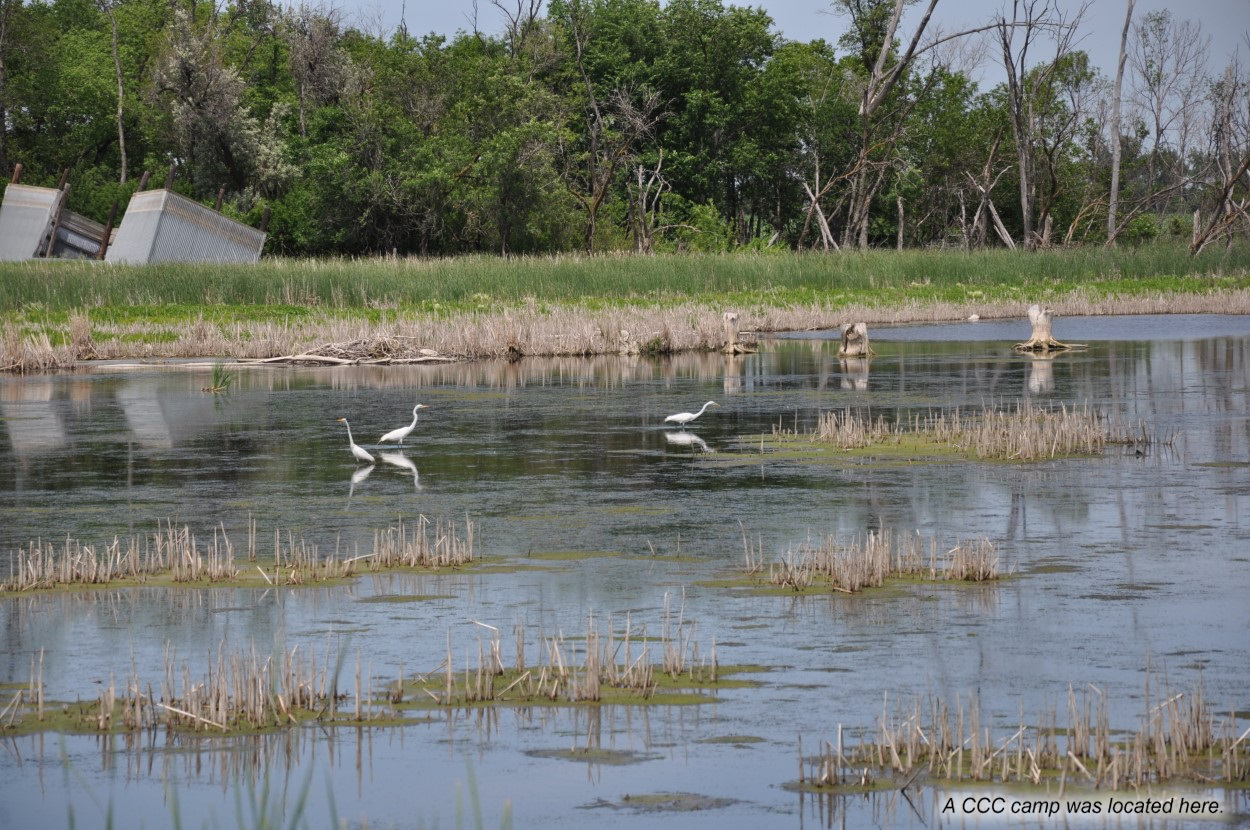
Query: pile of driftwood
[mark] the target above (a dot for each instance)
(383, 350)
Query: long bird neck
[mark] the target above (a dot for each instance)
(414, 419)
(702, 409)
(349, 432)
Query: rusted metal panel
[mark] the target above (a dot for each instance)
(163, 226)
(26, 217)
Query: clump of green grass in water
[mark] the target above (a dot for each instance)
(220, 381)
(1178, 740)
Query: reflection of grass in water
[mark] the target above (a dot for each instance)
(260, 805)
(572, 555)
(734, 740)
(403, 598)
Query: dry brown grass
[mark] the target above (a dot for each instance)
(1178, 739)
(1023, 432)
(869, 560)
(173, 552)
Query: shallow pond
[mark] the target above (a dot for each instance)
(1119, 562)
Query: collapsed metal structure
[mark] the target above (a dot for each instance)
(158, 226)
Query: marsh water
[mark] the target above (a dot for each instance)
(1136, 558)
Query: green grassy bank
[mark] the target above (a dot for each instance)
(469, 306)
(470, 282)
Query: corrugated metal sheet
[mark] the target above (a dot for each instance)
(78, 237)
(26, 220)
(162, 226)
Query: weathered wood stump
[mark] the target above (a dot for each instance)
(1042, 319)
(855, 341)
(732, 344)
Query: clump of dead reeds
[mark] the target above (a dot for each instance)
(868, 561)
(573, 670)
(1024, 432)
(850, 430)
(1176, 739)
(173, 551)
(403, 546)
(31, 353)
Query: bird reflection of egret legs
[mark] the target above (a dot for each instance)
(687, 439)
(398, 459)
(360, 475)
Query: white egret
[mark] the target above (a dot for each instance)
(357, 451)
(402, 433)
(683, 418)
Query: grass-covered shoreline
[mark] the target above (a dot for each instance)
(55, 313)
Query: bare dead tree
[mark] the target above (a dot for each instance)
(1168, 60)
(1113, 198)
(1231, 151)
(318, 66)
(1031, 21)
(613, 128)
(644, 204)
(520, 16)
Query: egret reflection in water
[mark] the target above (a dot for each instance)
(682, 438)
(358, 476)
(398, 459)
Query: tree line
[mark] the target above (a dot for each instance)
(631, 125)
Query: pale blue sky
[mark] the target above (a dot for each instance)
(1226, 21)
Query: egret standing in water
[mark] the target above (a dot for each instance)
(402, 433)
(683, 418)
(360, 454)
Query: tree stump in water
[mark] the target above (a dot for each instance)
(732, 344)
(1042, 318)
(855, 341)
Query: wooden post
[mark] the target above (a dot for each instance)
(264, 220)
(17, 173)
(60, 185)
(56, 219)
(108, 231)
(169, 179)
(221, 195)
(143, 181)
